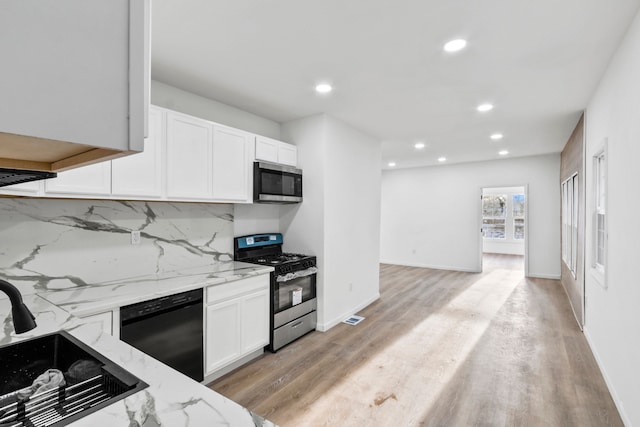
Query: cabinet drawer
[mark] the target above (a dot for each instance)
(237, 288)
(294, 329)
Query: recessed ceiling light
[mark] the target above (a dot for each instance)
(503, 152)
(485, 107)
(496, 136)
(442, 159)
(455, 45)
(392, 164)
(419, 145)
(323, 88)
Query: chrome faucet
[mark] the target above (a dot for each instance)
(23, 320)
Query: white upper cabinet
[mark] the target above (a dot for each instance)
(189, 172)
(274, 151)
(231, 165)
(25, 189)
(75, 81)
(93, 180)
(140, 175)
(185, 158)
(288, 154)
(267, 149)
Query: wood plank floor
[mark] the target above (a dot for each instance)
(439, 348)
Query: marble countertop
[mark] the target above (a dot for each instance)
(172, 399)
(104, 296)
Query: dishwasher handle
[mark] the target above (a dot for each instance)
(170, 302)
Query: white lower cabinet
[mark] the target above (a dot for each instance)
(236, 322)
(254, 328)
(223, 334)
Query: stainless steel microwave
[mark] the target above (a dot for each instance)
(276, 183)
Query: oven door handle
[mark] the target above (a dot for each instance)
(296, 274)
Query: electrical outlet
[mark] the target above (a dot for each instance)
(135, 237)
(350, 287)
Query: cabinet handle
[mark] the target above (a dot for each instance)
(296, 325)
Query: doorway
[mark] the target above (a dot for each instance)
(503, 237)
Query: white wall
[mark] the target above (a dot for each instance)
(611, 313)
(303, 224)
(352, 220)
(256, 218)
(431, 215)
(176, 99)
(339, 220)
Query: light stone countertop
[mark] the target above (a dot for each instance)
(172, 399)
(105, 296)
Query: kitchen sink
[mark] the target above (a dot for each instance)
(91, 381)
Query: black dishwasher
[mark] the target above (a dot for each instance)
(168, 329)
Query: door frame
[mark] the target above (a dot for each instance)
(526, 225)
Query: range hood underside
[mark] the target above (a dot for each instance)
(19, 176)
(46, 155)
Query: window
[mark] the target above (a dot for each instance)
(570, 192)
(565, 221)
(494, 209)
(600, 211)
(517, 201)
(574, 224)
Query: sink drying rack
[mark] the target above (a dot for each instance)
(60, 403)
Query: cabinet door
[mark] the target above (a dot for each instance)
(231, 164)
(189, 157)
(92, 180)
(223, 339)
(288, 154)
(140, 175)
(272, 150)
(75, 71)
(267, 149)
(255, 321)
(26, 189)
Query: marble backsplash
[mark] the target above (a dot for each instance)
(48, 244)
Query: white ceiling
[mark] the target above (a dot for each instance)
(537, 61)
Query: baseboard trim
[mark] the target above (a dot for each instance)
(575, 314)
(607, 380)
(431, 266)
(330, 324)
(544, 276)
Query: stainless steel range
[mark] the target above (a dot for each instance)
(293, 286)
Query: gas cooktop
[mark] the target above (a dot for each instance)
(275, 259)
(266, 249)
